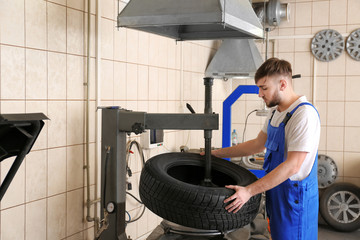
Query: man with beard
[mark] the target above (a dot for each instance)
(291, 136)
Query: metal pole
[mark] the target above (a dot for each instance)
(208, 82)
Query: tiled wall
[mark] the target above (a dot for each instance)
(336, 82)
(43, 69)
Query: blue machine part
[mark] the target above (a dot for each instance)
(226, 124)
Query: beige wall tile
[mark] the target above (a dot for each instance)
(74, 167)
(351, 143)
(352, 67)
(351, 164)
(171, 84)
(36, 220)
(120, 37)
(132, 45)
(56, 125)
(320, 13)
(303, 86)
(131, 81)
(39, 107)
(107, 9)
(352, 115)
(323, 138)
(56, 76)
(12, 72)
(163, 95)
(56, 217)
(75, 122)
(303, 14)
(171, 53)
(62, 2)
(338, 12)
(12, 13)
(120, 80)
(154, 49)
(36, 74)
(351, 180)
(322, 110)
(13, 223)
(56, 172)
(15, 194)
(36, 175)
(321, 67)
(107, 38)
(351, 94)
(335, 139)
(321, 88)
(336, 88)
(163, 52)
(74, 212)
(107, 80)
(286, 45)
(337, 66)
(35, 24)
(352, 13)
(143, 82)
(13, 106)
(238, 112)
(75, 77)
(75, 31)
(143, 52)
(56, 27)
(302, 31)
(303, 64)
(335, 114)
(76, 4)
(153, 83)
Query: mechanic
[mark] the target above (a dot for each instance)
(291, 136)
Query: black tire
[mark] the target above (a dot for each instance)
(170, 187)
(340, 207)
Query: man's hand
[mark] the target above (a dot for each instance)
(238, 199)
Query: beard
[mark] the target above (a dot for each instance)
(274, 101)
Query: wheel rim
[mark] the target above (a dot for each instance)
(327, 45)
(344, 207)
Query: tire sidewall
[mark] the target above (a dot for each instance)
(337, 187)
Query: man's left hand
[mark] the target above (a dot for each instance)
(238, 199)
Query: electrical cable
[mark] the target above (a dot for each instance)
(128, 149)
(128, 216)
(243, 137)
(105, 170)
(141, 214)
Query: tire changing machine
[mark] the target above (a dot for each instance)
(116, 124)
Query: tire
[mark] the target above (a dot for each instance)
(170, 187)
(340, 207)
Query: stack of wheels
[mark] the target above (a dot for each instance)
(171, 187)
(340, 206)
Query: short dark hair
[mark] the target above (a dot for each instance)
(273, 66)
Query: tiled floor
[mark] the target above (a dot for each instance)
(327, 233)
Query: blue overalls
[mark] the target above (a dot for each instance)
(292, 206)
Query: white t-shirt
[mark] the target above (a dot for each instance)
(302, 133)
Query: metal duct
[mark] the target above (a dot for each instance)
(192, 19)
(235, 58)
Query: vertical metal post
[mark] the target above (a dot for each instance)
(113, 169)
(208, 82)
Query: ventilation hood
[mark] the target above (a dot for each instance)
(193, 19)
(236, 58)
